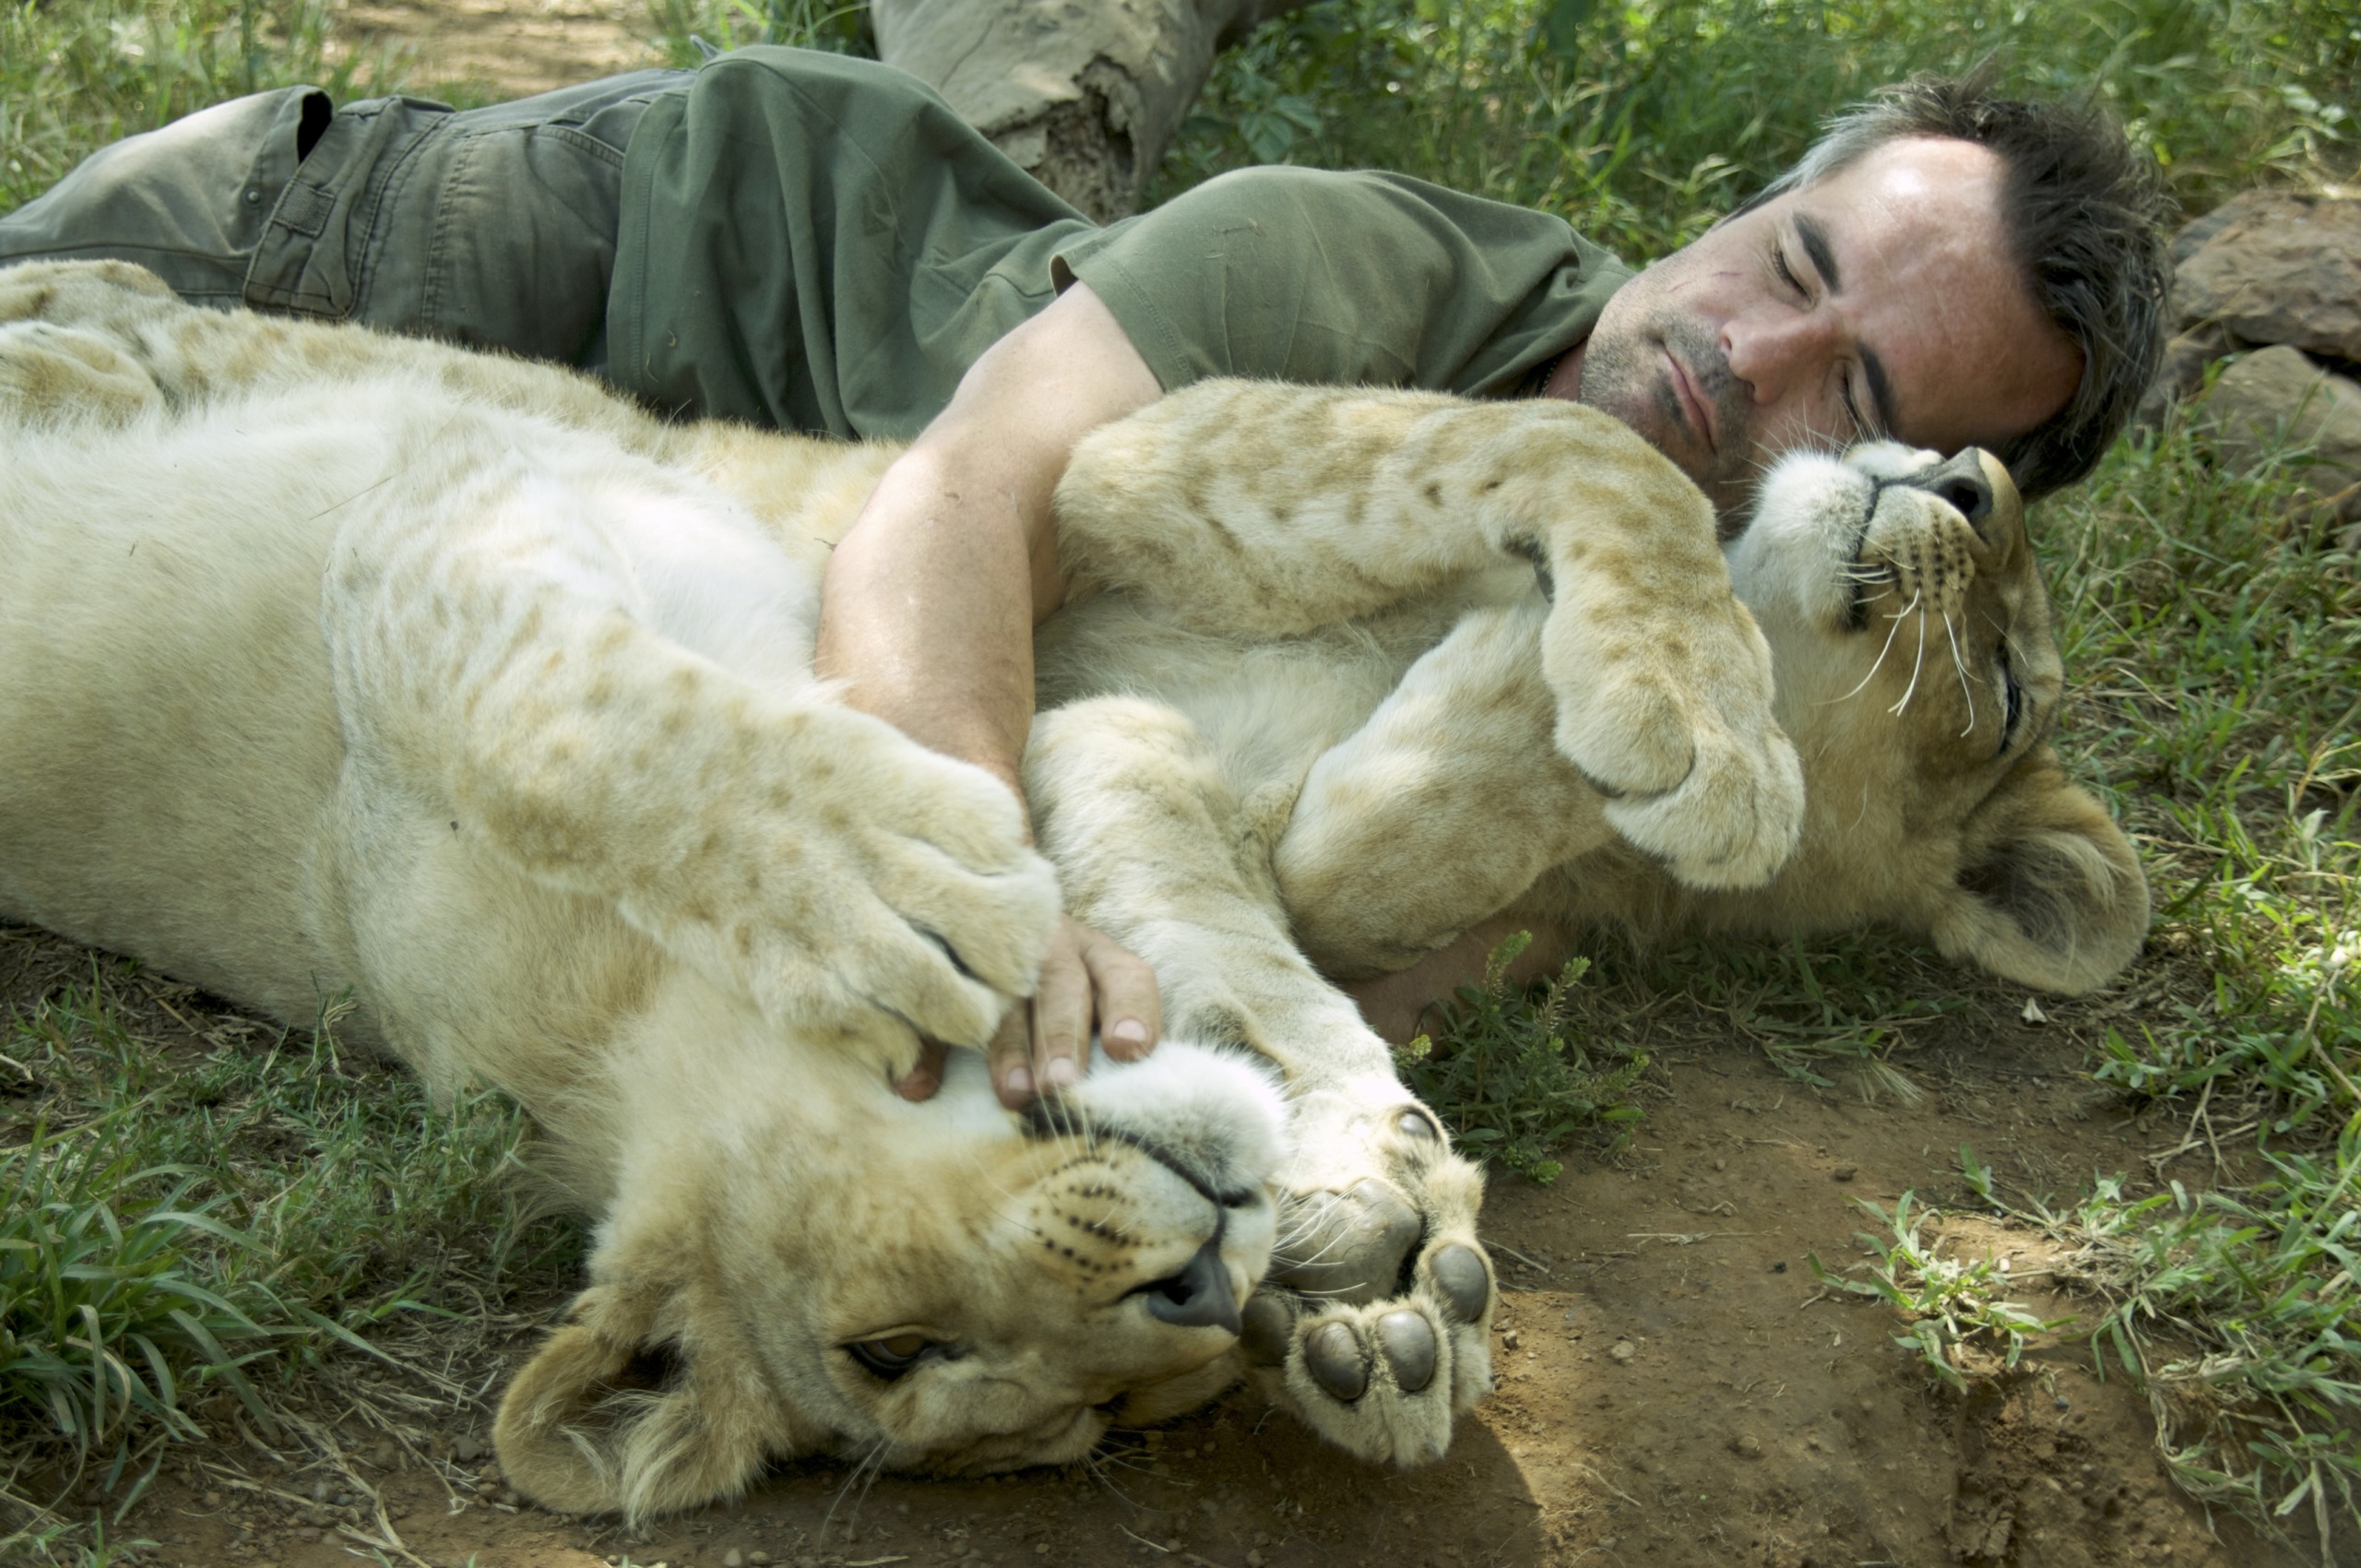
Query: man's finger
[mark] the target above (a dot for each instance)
(1130, 1013)
(1061, 1011)
(1011, 1056)
(926, 1076)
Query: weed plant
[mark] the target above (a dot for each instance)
(1949, 1302)
(1515, 1071)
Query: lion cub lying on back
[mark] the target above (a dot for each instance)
(341, 662)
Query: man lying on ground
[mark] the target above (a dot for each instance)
(819, 243)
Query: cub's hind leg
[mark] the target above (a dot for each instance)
(1372, 1323)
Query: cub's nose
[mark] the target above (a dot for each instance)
(1960, 481)
(1197, 1297)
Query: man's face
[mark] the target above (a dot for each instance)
(1879, 302)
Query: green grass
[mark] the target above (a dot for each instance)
(75, 75)
(1517, 1069)
(186, 1231)
(1641, 123)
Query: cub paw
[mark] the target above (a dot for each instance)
(873, 889)
(1674, 725)
(1374, 1325)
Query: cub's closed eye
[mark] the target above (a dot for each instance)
(892, 1356)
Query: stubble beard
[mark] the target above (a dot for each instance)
(1624, 375)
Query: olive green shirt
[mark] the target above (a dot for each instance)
(820, 243)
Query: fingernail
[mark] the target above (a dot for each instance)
(1131, 1031)
(1019, 1080)
(1062, 1071)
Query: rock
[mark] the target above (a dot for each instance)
(467, 1448)
(1622, 1351)
(2278, 397)
(733, 1558)
(1845, 1172)
(1508, 1340)
(1745, 1445)
(2277, 267)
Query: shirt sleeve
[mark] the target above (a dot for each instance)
(1354, 278)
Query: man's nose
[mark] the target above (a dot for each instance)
(1774, 352)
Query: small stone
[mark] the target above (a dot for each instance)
(1846, 1172)
(1622, 1351)
(1508, 1340)
(759, 1559)
(1745, 1445)
(733, 1558)
(212, 1500)
(1254, 1560)
(1779, 1267)
(2033, 1017)
(467, 1448)
(1041, 1548)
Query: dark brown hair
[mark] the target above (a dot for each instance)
(2086, 215)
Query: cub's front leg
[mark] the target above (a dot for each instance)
(1249, 509)
(1373, 1326)
(496, 653)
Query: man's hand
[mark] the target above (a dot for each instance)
(1086, 980)
(926, 617)
(1088, 984)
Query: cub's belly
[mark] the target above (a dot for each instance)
(167, 730)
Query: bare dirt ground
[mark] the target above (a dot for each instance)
(501, 49)
(1674, 1388)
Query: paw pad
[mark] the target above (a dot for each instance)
(1463, 1280)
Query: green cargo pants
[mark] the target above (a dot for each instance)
(492, 227)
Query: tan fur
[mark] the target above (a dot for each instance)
(339, 664)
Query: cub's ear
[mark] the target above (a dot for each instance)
(2048, 891)
(640, 1404)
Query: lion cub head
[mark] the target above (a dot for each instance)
(795, 1262)
(1920, 677)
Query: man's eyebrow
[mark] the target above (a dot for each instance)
(1814, 239)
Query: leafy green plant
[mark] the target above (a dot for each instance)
(1507, 1071)
(1947, 1302)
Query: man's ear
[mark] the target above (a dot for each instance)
(645, 1401)
(2048, 891)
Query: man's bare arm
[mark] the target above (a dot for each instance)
(927, 615)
